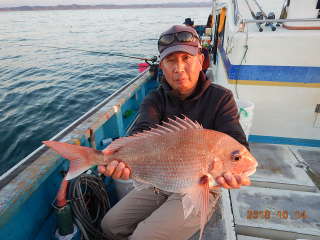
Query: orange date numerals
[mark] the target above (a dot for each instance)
(280, 215)
(255, 214)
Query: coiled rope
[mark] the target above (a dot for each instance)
(89, 203)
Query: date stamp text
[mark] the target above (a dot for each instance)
(279, 215)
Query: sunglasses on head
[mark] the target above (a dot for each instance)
(181, 37)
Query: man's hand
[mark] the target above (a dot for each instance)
(230, 181)
(116, 170)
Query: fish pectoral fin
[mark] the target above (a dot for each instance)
(197, 197)
(139, 185)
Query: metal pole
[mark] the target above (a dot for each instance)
(265, 16)
(283, 20)
(254, 17)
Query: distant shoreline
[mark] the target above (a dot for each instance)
(110, 6)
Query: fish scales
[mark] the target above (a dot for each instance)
(171, 162)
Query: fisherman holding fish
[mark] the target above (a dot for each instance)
(185, 91)
(187, 143)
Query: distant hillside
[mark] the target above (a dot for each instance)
(111, 6)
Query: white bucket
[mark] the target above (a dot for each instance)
(123, 187)
(245, 109)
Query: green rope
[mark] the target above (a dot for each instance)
(245, 112)
(243, 58)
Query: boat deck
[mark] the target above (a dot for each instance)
(282, 201)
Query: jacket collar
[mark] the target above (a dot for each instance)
(202, 84)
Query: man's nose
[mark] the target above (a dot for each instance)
(179, 66)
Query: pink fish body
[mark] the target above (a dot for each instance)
(179, 156)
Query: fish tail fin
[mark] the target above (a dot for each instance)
(198, 198)
(79, 156)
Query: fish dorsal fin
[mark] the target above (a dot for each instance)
(197, 197)
(173, 126)
(120, 142)
(195, 124)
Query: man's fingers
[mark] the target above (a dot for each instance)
(244, 180)
(116, 170)
(222, 182)
(119, 170)
(111, 168)
(125, 174)
(229, 181)
(102, 169)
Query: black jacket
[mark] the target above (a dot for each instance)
(211, 105)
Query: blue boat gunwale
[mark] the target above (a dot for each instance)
(23, 184)
(293, 76)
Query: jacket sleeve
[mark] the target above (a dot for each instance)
(149, 114)
(227, 119)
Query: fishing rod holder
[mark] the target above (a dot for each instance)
(153, 60)
(154, 66)
(243, 22)
(259, 16)
(271, 15)
(281, 20)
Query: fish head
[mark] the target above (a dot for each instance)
(234, 158)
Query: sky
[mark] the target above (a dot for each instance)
(18, 3)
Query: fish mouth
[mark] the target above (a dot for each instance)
(250, 171)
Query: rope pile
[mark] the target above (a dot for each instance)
(89, 203)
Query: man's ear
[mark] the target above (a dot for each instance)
(160, 64)
(201, 58)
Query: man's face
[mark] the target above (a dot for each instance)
(182, 71)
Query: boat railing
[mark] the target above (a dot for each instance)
(280, 20)
(242, 22)
(15, 170)
(238, 17)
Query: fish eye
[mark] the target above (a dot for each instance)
(236, 158)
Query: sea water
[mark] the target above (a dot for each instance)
(46, 83)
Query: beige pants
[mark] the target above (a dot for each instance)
(144, 215)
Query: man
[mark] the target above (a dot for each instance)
(185, 90)
(188, 22)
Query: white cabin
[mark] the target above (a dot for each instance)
(279, 71)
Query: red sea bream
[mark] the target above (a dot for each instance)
(179, 156)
